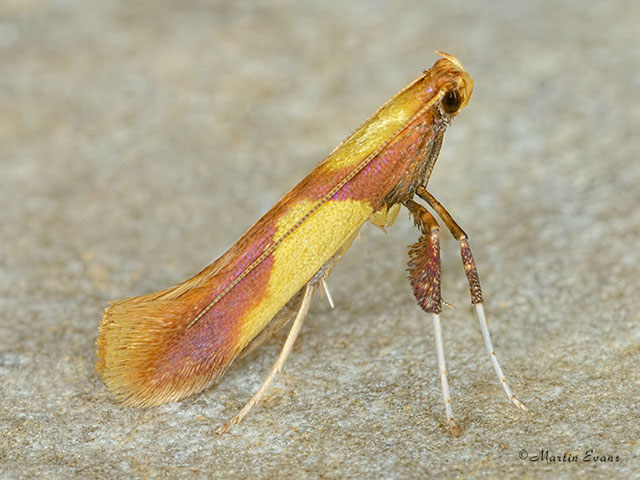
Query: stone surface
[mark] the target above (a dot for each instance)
(140, 139)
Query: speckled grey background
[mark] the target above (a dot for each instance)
(140, 139)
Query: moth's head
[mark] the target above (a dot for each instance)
(451, 82)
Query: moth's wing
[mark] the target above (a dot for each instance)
(277, 322)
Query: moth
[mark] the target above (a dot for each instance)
(163, 346)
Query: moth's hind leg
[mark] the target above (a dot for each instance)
(302, 299)
(277, 367)
(424, 276)
(474, 287)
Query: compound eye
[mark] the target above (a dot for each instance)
(451, 101)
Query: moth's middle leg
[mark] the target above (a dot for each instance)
(424, 276)
(475, 289)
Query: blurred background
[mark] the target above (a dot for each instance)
(139, 140)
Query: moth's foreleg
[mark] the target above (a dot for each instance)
(474, 286)
(424, 275)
